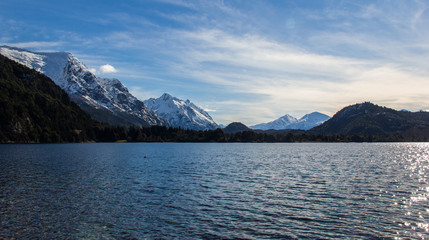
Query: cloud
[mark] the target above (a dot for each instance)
(93, 70)
(282, 78)
(418, 14)
(35, 44)
(107, 68)
(178, 3)
(143, 94)
(209, 110)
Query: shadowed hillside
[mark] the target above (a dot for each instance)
(34, 109)
(368, 119)
(236, 127)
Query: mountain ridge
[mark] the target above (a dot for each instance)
(181, 113)
(106, 100)
(287, 121)
(34, 109)
(370, 119)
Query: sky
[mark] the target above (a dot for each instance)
(241, 60)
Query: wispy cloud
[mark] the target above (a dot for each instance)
(253, 62)
(418, 14)
(35, 44)
(143, 94)
(178, 3)
(209, 110)
(281, 76)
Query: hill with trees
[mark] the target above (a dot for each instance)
(34, 109)
(236, 127)
(367, 119)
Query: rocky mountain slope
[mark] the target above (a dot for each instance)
(106, 100)
(34, 109)
(180, 113)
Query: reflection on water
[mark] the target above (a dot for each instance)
(213, 191)
(415, 207)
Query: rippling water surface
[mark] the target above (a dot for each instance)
(213, 191)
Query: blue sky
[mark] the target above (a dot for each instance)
(244, 60)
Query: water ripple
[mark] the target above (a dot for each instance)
(214, 191)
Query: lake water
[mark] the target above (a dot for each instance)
(214, 191)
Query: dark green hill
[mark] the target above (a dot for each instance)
(236, 127)
(368, 119)
(34, 109)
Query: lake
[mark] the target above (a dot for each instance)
(214, 191)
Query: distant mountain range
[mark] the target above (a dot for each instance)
(30, 113)
(306, 122)
(108, 100)
(180, 113)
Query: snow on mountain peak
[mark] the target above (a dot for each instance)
(288, 119)
(180, 113)
(306, 122)
(166, 96)
(50, 64)
(279, 123)
(29, 59)
(90, 92)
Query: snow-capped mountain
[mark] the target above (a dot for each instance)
(310, 121)
(281, 123)
(306, 122)
(106, 100)
(180, 113)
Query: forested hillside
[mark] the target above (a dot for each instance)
(34, 109)
(368, 119)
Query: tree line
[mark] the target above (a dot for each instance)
(168, 134)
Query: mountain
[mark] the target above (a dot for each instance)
(280, 123)
(106, 100)
(34, 109)
(236, 127)
(306, 122)
(180, 113)
(373, 120)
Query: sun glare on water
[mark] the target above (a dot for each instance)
(416, 160)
